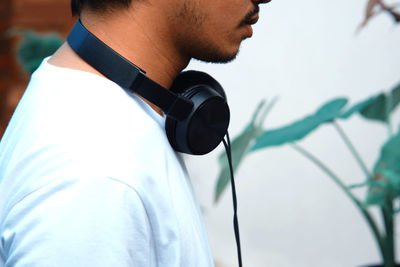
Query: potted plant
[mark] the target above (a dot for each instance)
(383, 180)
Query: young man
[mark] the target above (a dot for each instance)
(87, 175)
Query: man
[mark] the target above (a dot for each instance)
(87, 176)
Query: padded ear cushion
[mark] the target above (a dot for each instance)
(206, 126)
(187, 79)
(203, 130)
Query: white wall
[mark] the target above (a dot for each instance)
(291, 214)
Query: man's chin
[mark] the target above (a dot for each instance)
(217, 57)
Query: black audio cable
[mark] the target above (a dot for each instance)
(227, 145)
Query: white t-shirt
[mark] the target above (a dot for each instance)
(88, 178)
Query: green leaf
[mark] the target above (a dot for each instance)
(376, 193)
(34, 48)
(239, 147)
(395, 98)
(386, 181)
(390, 156)
(384, 186)
(357, 108)
(239, 141)
(376, 110)
(383, 105)
(301, 128)
(331, 110)
(290, 133)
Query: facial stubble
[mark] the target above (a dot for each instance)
(195, 41)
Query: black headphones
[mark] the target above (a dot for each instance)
(196, 108)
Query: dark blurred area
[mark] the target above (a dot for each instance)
(17, 17)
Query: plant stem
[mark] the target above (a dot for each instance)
(266, 111)
(387, 209)
(389, 245)
(352, 149)
(337, 180)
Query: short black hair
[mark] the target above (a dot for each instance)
(97, 5)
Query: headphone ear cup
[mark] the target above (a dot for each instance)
(207, 124)
(188, 79)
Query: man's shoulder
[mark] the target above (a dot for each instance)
(86, 118)
(67, 128)
(62, 101)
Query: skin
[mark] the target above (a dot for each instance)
(162, 36)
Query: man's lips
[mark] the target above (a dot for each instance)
(253, 20)
(251, 17)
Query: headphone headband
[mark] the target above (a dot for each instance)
(125, 74)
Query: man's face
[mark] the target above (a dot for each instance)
(212, 30)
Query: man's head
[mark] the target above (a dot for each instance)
(207, 30)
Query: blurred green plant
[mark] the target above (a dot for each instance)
(33, 48)
(383, 181)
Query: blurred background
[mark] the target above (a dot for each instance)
(305, 53)
(42, 16)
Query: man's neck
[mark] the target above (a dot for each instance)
(146, 46)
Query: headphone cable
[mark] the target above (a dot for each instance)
(234, 199)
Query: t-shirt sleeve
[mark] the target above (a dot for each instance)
(94, 222)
